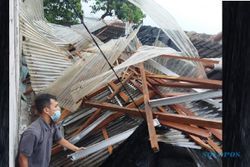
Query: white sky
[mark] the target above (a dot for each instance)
(202, 16)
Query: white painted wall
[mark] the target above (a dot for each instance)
(14, 73)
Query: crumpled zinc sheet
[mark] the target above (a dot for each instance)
(169, 25)
(90, 66)
(45, 45)
(144, 53)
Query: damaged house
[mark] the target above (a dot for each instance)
(132, 95)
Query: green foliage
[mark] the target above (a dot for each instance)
(61, 12)
(123, 9)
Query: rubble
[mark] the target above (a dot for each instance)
(164, 83)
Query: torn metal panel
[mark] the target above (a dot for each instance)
(104, 144)
(144, 53)
(169, 25)
(92, 65)
(78, 137)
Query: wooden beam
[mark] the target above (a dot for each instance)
(201, 143)
(214, 145)
(118, 88)
(115, 116)
(105, 135)
(187, 85)
(162, 116)
(180, 109)
(148, 111)
(187, 129)
(216, 132)
(188, 79)
(189, 120)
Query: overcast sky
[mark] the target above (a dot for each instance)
(203, 16)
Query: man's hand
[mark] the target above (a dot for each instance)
(80, 148)
(68, 145)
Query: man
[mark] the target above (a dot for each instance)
(36, 141)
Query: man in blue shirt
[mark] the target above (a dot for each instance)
(36, 141)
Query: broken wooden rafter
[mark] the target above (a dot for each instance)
(105, 135)
(184, 111)
(118, 88)
(117, 115)
(178, 107)
(162, 116)
(214, 145)
(148, 111)
(215, 132)
(124, 97)
(216, 83)
(201, 143)
(186, 85)
(187, 98)
(187, 129)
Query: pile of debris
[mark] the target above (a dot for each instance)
(164, 85)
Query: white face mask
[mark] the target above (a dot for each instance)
(56, 116)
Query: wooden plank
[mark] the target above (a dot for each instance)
(216, 132)
(148, 111)
(180, 109)
(186, 85)
(115, 116)
(201, 143)
(118, 88)
(187, 129)
(162, 116)
(187, 79)
(214, 145)
(105, 135)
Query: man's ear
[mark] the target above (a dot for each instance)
(46, 110)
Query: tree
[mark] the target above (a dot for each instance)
(61, 12)
(123, 9)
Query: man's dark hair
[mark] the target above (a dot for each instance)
(42, 101)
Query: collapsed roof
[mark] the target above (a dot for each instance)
(164, 84)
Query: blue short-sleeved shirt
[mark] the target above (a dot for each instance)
(36, 142)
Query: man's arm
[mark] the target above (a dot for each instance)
(23, 160)
(68, 145)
